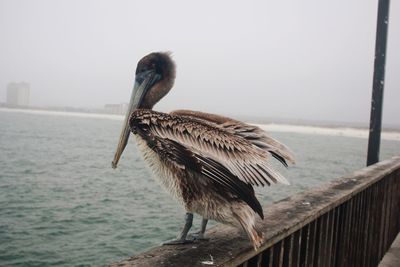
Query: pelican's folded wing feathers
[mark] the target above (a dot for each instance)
(252, 133)
(239, 155)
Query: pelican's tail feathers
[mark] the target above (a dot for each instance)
(246, 218)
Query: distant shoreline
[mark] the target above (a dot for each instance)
(63, 113)
(328, 131)
(392, 135)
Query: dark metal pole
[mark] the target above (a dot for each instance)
(378, 83)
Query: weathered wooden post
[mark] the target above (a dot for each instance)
(378, 82)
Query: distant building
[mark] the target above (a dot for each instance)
(116, 108)
(18, 94)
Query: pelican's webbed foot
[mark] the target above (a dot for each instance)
(181, 239)
(200, 235)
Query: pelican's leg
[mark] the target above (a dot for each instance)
(200, 234)
(181, 239)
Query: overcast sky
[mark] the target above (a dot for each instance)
(308, 59)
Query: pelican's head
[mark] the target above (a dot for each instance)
(155, 76)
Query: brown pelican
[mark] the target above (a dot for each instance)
(207, 162)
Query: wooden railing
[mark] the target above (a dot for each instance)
(351, 221)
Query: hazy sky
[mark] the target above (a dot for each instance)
(309, 59)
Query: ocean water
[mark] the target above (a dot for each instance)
(61, 204)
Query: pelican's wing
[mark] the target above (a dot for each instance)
(184, 158)
(252, 133)
(246, 161)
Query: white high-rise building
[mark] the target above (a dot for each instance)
(18, 94)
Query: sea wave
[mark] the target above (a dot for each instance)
(330, 131)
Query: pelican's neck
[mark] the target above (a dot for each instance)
(158, 91)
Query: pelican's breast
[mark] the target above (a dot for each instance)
(165, 174)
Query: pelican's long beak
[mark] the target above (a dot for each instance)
(143, 82)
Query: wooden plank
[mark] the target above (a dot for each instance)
(377, 219)
(311, 242)
(357, 230)
(388, 217)
(365, 256)
(341, 234)
(287, 251)
(296, 248)
(335, 237)
(278, 255)
(395, 219)
(324, 237)
(266, 259)
(305, 231)
(346, 246)
(385, 190)
(255, 261)
(331, 225)
(360, 229)
(394, 206)
(271, 256)
(231, 247)
(318, 241)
